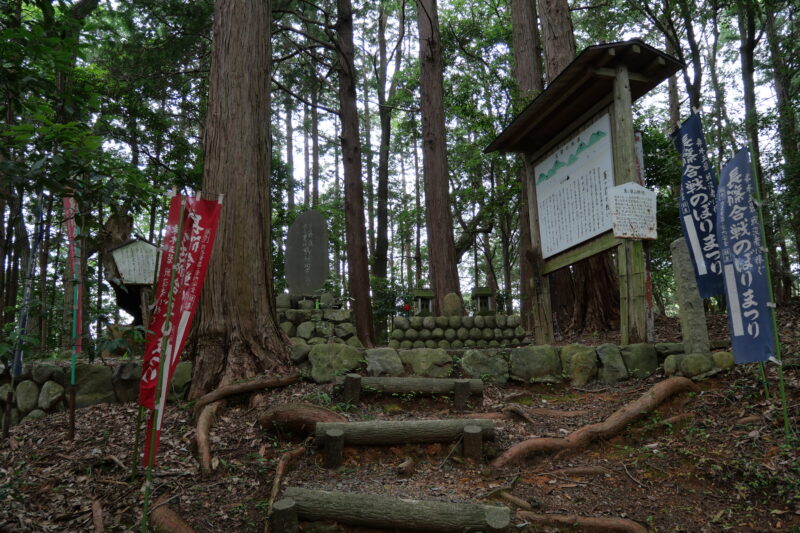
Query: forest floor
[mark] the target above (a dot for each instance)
(723, 466)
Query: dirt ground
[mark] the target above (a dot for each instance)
(722, 465)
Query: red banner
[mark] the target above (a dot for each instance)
(200, 218)
(70, 214)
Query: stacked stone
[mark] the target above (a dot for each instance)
(41, 388)
(456, 332)
(319, 326)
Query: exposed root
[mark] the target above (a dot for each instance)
(580, 471)
(264, 382)
(542, 411)
(299, 417)
(583, 523)
(524, 413)
(97, 517)
(280, 470)
(608, 428)
(165, 520)
(206, 420)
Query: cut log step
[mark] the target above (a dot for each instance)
(413, 385)
(382, 512)
(403, 432)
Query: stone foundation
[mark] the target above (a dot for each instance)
(456, 332)
(42, 387)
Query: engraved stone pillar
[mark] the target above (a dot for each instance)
(693, 317)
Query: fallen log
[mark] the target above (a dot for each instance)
(298, 417)
(260, 383)
(583, 523)
(382, 512)
(405, 431)
(165, 520)
(412, 385)
(608, 428)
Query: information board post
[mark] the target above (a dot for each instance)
(630, 253)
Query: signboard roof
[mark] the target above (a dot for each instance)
(587, 83)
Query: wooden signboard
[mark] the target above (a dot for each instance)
(577, 142)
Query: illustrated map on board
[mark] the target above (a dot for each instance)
(572, 188)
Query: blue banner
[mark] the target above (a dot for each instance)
(744, 263)
(698, 207)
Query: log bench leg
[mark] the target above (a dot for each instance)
(334, 444)
(473, 443)
(284, 516)
(461, 392)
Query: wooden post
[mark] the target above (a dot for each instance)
(461, 392)
(334, 444)
(473, 443)
(351, 391)
(542, 311)
(284, 516)
(71, 408)
(630, 254)
(7, 412)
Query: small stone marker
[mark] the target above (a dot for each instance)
(307, 254)
(692, 314)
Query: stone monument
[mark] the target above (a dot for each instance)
(307, 254)
(692, 314)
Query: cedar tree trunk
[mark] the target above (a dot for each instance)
(358, 266)
(441, 248)
(237, 334)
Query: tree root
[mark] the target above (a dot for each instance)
(206, 420)
(299, 417)
(515, 409)
(583, 523)
(608, 428)
(280, 470)
(265, 382)
(165, 520)
(97, 517)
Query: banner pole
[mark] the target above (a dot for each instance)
(778, 357)
(148, 486)
(76, 268)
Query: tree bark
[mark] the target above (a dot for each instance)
(357, 262)
(406, 431)
(528, 70)
(384, 512)
(237, 334)
(557, 36)
(289, 156)
(441, 247)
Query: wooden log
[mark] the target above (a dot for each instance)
(461, 392)
(404, 432)
(334, 445)
(382, 512)
(300, 417)
(351, 391)
(412, 385)
(473, 442)
(284, 516)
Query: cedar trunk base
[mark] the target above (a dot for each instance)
(383, 512)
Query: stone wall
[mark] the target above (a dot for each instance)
(577, 363)
(319, 326)
(456, 332)
(42, 387)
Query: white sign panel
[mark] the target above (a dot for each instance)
(572, 188)
(136, 262)
(633, 211)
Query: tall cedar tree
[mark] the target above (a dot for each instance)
(441, 248)
(528, 71)
(358, 265)
(595, 301)
(238, 334)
